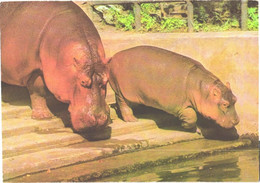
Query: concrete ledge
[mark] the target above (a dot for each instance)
(120, 35)
(132, 161)
(28, 125)
(63, 150)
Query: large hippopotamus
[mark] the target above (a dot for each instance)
(171, 82)
(55, 44)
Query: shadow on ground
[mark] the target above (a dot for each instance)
(208, 128)
(19, 96)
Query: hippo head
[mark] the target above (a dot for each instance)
(219, 105)
(87, 104)
(79, 78)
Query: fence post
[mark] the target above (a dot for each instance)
(137, 12)
(190, 15)
(244, 7)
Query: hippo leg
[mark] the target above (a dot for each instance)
(189, 118)
(37, 92)
(126, 111)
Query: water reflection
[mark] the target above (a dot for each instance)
(210, 171)
(237, 165)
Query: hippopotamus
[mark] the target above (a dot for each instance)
(170, 82)
(55, 44)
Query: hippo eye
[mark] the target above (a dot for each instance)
(85, 81)
(102, 86)
(225, 104)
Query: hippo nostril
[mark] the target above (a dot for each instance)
(102, 119)
(236, 121)
(84, 83)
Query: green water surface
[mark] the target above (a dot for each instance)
(234, 166)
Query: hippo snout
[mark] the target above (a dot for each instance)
(228, 122)
(83, 119)
(235, 121)
(102, 119)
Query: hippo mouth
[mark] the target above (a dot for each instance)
(84, 118)
(94, 134)
(93, 126)
(225, 125)
(208, 118)
(82, 123)
(221, 123)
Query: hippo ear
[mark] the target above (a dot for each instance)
(228, 85)
(105, 77)
(216, 93)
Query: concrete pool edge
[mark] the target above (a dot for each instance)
(130, 162)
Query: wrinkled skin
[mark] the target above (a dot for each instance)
(171, 82)
(55, 44)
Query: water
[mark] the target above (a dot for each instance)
(242, 165)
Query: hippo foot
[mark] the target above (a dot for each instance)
(198, 131)
(187, 125)
(191, 130)
(130, 118)
(41, 114)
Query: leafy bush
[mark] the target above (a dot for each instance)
(201, 15)
(122, 20)
(149, 22)
(150, 8)
(125, 21)
(227, 25)
(151, 19)
(252, 22)
(170, 24)
(216, 16)
(208, 16)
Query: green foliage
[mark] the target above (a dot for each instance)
(227, 25)
(216, 16)
(151, 19)
(149, 8)
(208, 16)
(149, 22)
(170, 24)
(201, 16)
(123, 21)
(252, 22)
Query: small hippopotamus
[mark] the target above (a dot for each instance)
(171, 82)
(55, 44)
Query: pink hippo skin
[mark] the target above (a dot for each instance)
(55, 44)
(171, 82)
